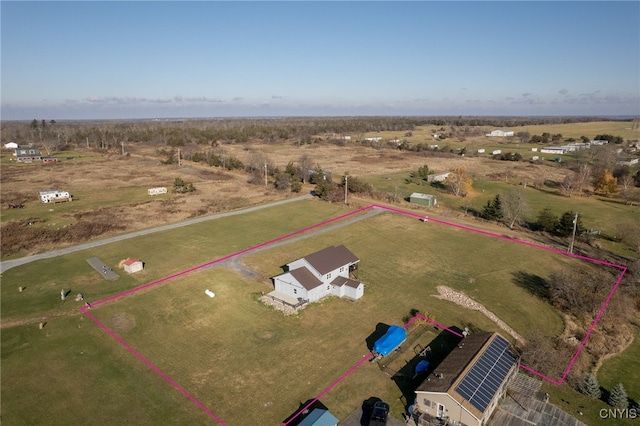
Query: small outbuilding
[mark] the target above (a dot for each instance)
(424, 199)
(133, 265)
(55, 196)
(319, 417)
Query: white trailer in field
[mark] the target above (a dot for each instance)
(157, 191)
(55, 196)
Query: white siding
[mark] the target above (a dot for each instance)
(288, 285)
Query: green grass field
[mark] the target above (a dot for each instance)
(244, 361)
(596, 213)
(568, 130)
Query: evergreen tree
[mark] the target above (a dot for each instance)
(547, 221)
(565, 224)
(618, 397)
(493, 209)
(590, 387)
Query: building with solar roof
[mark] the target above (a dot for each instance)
(465, 387)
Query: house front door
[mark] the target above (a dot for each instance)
(440, 412)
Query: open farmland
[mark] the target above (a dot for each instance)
(222, 349)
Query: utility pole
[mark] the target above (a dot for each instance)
(573, 237)
(346, 188)
(179, 161)
(265, 174)
(122, 143)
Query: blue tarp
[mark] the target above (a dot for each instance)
(390, 341)
(422, 366)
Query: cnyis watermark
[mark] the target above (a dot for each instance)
(619, 413)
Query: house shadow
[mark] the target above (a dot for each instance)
(381, 329)
(411, 375)
(533, 283)
(296, 418)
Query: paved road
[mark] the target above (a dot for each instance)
(8, 264)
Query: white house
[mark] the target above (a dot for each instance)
(325, 272)
(373, 139)
(628, 161)
(496, 152)
(481, 151)
(54, 196)
(553, 150)
(438, 177)
(10, 145)
(500, 133)
(157, 191)
(466, 386)
(133, 265)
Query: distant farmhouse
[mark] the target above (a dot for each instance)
(466, 386)
(500, 133)
(10, 145)
(54, 196)
(28, 154)
(438, 177)
(325, 272)
(553, 150)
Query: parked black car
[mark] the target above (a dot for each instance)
(379, 414)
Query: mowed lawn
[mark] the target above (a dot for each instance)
(232, 349)
(244, 361)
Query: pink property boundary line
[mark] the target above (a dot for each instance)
(359, 363)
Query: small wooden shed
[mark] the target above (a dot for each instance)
(424, 199)
(133, 265)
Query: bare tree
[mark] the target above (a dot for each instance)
(626, 184)
(514, 206)
(306, 166)
(458, 182)
(569, 184)
(582, 176)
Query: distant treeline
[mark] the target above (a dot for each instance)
(109, 134)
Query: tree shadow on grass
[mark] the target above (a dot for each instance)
(534, 284)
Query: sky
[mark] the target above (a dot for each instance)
(162, 59)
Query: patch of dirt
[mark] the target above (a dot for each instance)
(122, 322)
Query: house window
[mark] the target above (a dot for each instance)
(295, 291)
(328, 287)
(328, 275)
(426, 403)
(342, 269)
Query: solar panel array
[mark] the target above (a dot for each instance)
(485, 377)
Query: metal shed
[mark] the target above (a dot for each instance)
(424, 199)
